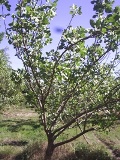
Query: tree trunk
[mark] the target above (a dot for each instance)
(49, 150)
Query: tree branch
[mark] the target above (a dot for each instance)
(56, 63)
(82, 113)
(68, 96)
(75, 137)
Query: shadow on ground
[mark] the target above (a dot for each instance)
(14, 143)
(15, 125)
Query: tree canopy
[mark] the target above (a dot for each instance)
(10, 91)
(71, 85)
(4, 74)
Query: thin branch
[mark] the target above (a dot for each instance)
(73, 138)
(4, 19)
(56, 63)
(62, 130)
(113, 91)
(82, 113)
(61, 107)
(83, 134)
(96, 33)
(64, 30)
(40, 101)
(68, 96)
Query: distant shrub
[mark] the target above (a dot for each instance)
(85, 152)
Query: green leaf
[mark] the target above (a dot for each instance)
(45, 21)
(92, 23)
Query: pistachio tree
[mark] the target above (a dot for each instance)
(71, 86)
(10, 92)
(5, 82)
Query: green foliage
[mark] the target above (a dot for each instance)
(6, 4)
(56, 79)
(85, 152)
(71, 85)
(10, 93)
(75, 10)
(5, 82)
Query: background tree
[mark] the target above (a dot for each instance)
(10, 92)
(71, 85)
(5, 82)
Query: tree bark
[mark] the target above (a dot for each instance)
(49, 150)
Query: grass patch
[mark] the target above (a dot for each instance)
(87, 152)
(22, 138)
(18, 129)
(112, 138)
(33, 151)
